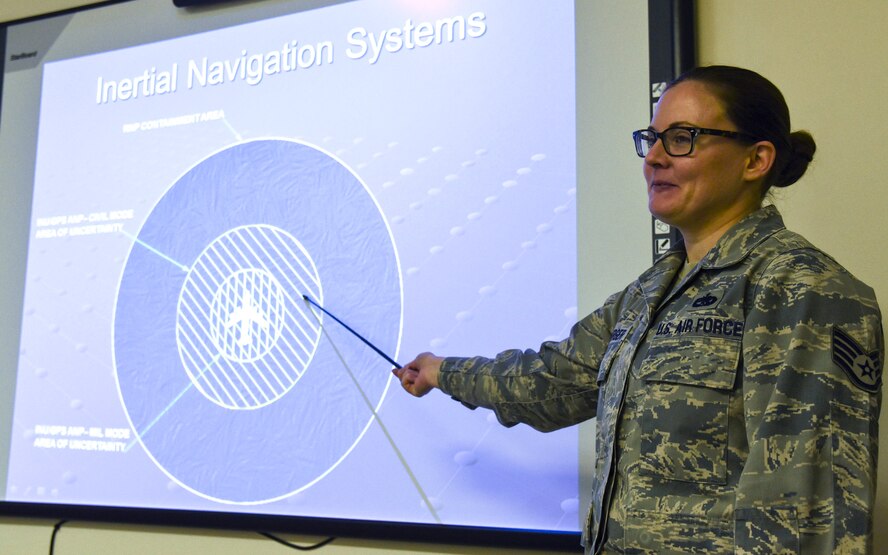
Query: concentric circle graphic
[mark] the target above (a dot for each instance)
(242, 299)
(233, 388)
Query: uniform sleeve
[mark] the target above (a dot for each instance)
(547, 389)
(813, 351)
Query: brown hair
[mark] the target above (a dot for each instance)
(757, 107)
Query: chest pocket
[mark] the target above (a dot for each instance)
(684, 412)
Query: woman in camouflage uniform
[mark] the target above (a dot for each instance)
(737, 382)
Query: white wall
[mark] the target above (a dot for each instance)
(16, 9)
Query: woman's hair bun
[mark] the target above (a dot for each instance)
(801, 152)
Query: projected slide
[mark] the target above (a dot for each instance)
(232, 322)
(409, 166)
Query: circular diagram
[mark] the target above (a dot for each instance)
(242, 300)
(229, 380)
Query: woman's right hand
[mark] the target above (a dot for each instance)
(420, 375)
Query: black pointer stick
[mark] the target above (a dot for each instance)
(356, 334)
(371, 345)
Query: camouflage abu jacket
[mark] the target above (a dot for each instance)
(737, 410)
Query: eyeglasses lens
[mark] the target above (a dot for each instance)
(678, 142)
(644, 140)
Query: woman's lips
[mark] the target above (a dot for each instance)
(658, 185)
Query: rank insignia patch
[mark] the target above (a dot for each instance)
(864, 369)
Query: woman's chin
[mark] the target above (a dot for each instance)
(662, 212)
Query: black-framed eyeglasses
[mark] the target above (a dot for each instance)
(679, 141)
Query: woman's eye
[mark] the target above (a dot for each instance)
(681, 138)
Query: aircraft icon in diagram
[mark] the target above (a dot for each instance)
(246, 315)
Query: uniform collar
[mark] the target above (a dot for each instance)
(741, 239)
(730, 249)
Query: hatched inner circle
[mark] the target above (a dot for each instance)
(245, 334)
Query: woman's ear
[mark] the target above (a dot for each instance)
(762, 156)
